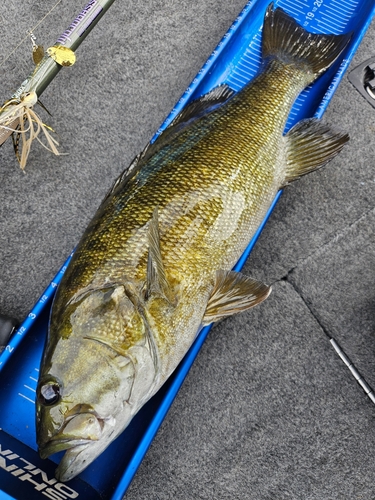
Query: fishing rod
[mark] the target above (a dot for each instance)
(50, 65)
(36, 82)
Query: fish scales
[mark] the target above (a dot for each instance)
(154, 264)
(196, 189)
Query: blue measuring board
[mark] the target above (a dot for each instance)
(235, 62)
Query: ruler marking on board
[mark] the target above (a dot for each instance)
(347, 2)
(333, 29)
(25, 397)
(291, 7)
(240, 81)
(251, 57)
(341, 18)
(242, 72)
(339, 12)
(249, 67)
(292, 10)
(30, 388)
(341, 23)
(342, 7)
(251, 64)
(304, 4)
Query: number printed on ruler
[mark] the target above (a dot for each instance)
(311, 14)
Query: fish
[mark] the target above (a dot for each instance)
(155, 263)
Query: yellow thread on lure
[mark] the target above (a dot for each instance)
(18, 117)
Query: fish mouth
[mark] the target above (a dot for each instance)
(72, 463)
(79, 430)
(56, 445)
(83, 437)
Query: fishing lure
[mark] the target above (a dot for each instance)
(62, 55)
(38, 50)
(17, 117)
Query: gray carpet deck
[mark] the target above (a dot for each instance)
(268, 410)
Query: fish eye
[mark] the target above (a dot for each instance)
(49, 393)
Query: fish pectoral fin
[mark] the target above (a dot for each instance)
(157, 282)
(233, 292)
(310, 144)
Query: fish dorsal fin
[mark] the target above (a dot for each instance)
(127, 174)
(191, 112)
(233, 292)
(205, 103)
(310, 144)
(157, 282)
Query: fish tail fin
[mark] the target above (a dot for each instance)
(285, 39)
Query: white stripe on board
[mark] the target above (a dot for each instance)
(25, 397)
(339, 7)
(30, 388)
(304, 4)
(237, 81)
(346, 4)
(242, 73)
(247, 67)
(337, 15)
(332, 28)
(337, 27)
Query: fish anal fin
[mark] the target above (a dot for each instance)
(157, 282)
(310, 145)
(233, 292)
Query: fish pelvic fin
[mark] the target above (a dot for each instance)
(285, 39)
(157, 282)
(310, 145)
(233, 293)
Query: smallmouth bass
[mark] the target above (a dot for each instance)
(155, 262)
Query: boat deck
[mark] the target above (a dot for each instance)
(268, 409)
